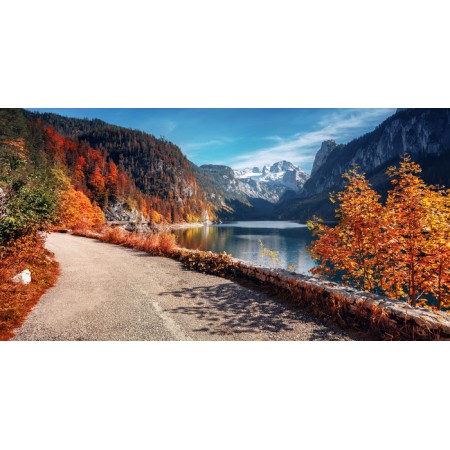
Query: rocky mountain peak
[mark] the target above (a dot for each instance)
(268, 183)
(218, 170)
(321, 156)
(282, 166)
(423, 133)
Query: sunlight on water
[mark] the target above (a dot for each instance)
(241, 239)
(267, 224)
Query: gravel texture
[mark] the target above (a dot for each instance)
(107, 292)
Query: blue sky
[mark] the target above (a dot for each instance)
(243, 137)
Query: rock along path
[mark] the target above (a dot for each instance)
(108, 292)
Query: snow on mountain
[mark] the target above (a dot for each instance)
(271, 182)
(281, 173)
(248, 173)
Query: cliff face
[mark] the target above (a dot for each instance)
(224, 178)
(422, 133)
(326, 148)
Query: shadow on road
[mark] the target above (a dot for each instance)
(242, 308)
(229, 308)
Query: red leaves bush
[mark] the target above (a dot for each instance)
(16, 300)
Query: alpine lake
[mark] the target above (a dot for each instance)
(246, 240)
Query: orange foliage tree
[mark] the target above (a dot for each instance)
(352, 247)
(76, 211)
(438, 256)
(409, 208)
(400, 249)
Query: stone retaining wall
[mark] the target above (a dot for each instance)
(377, 316)
(374, 315)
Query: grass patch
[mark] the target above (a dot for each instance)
(158, 244)
(17, 300)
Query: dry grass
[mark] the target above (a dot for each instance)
(16, 300)
(160, 244)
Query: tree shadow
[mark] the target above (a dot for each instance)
(246, 307)
(229, 308)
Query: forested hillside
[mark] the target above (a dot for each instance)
(113, 164)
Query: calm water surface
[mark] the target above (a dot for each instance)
(241, 239)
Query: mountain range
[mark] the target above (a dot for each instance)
(131, 174)
(422, 133)
(272, 182)
(266, 183)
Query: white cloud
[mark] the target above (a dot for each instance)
(301, 148)
(197, 145)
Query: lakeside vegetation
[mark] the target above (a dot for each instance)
(399, 248)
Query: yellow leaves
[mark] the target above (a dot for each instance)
(76, 211)
(155, 216)
(401, 248)
(272, 254)
(18, 145)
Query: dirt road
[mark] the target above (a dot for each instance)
(107, 292)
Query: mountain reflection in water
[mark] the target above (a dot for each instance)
(241, 239)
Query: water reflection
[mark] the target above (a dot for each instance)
(241, 239)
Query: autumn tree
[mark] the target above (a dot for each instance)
(400, 249)
(352, 247)
(407, 213)
(75, 210)
(437, 258)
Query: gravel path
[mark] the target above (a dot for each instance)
(107, 292)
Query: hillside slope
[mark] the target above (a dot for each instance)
(160, 173)
(423, 133)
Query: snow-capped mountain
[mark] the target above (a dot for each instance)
(278, 178)
(267, 183)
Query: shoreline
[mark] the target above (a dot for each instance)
(179, 226)
(375, 316)
(187, 225)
